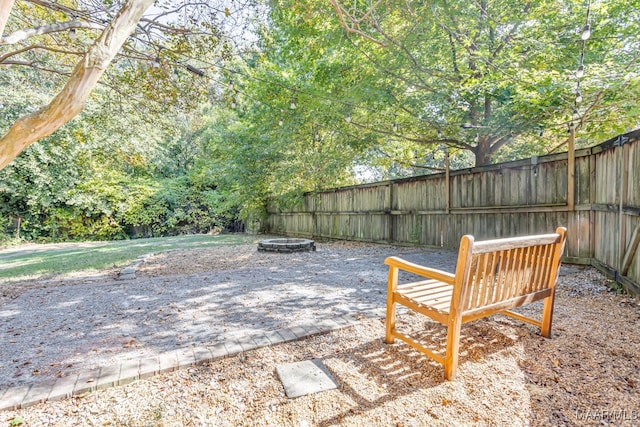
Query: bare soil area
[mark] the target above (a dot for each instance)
(588, 374)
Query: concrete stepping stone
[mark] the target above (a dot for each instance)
(306, 377)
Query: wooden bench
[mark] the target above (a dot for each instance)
(491, 277)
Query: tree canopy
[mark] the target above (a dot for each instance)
(124, 167)
(151, 56)
(481, 76)
(213, 108)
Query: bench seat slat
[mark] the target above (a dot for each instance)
(439, 302)
(432, 289)
(439, 314)
(423, 285)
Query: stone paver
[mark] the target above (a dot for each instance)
(233, 347)
(261, 340)
(299, 332)
(306, 377)
(186, 358)
(14, 398)
(329, 325)
(274, 337)
(130, 371)
(247, 343)
(87, 381)
(63, 387)
(38, 393)
(108, 376)
(202, 355)
(287, 335)
(168, 362)
(149, 366)
(219, 351)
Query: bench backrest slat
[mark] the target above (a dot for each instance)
(503, 269)
(513, 242)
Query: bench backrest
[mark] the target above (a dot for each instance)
(502, 272)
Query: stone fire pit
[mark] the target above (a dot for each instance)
(286, 245)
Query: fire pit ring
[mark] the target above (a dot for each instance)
(286, 245)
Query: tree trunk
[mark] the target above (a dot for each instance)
(483, 159)
(5, 10)
(18, 228)
(70, 101)
(483, 152)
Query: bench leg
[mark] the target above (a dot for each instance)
(390, 321)
(453, 347)
(547, 316)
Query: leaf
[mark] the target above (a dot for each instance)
(16, 421)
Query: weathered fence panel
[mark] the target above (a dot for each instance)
(516, 198)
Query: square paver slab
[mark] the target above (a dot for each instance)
(301, 378)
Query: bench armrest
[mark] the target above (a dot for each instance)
(420, 270)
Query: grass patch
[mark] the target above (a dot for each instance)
(50, 260)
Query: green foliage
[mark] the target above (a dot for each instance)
(507, 68)
(75, 186)
(160, 151)
(16, 421)
(106, 177)
(125, 207)
(124, 167)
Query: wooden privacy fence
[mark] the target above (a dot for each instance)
(594, 192)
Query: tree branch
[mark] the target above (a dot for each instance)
(598, 97)
(413, 60)
(419, 83)
(500, 142)
(509, 36)
(446, 141)
(455, 33)
(4, 57)
(21, 35)
(70, 101)
(58, 8)
(409, 164)
(167, 28)
(35, 65)
(354, 28)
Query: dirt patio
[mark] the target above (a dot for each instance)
(588, 374)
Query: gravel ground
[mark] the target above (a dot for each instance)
(187, 298)
(588, 374)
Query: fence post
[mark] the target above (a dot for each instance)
(447, 177)
(571, 169)
(624, 190)
(388, 208)
(593, 192)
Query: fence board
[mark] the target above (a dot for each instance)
(510, 199)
